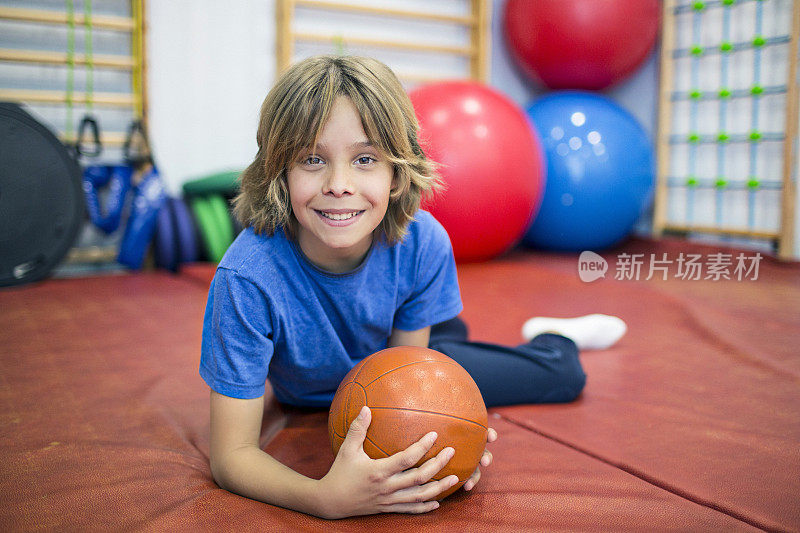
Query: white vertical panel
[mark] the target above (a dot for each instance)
(210, 66)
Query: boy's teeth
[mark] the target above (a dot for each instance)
(336, 216)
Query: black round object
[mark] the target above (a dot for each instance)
(41, 198)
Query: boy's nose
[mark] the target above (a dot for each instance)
(338, 183)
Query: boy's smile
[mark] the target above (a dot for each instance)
(339, 191)
(339, 217)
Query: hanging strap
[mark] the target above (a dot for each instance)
(136, 149)
(95, 147)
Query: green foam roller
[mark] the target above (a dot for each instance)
(224, 183)
(210, 232)
(219, 207)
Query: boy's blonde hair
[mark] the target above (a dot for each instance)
(292, 117)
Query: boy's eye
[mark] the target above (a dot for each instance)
(312, 160)
(365, 160)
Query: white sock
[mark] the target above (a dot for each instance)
(590, 332)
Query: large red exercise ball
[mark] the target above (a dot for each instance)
(580, 44)
(490, 161)
(600, 172)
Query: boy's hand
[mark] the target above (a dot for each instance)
(357, 484)
(486, 460)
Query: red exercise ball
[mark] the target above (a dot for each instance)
(412, 391)
(580, 44)
(490, 161)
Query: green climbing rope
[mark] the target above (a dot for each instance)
(68, 131)
(89, 53)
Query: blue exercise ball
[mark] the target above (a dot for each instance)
(600, 172)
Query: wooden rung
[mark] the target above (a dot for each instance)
(425, 78)
(372, 10)
(789, 193)
(94, 254)
(107, 139)
(735, 232)
(380, 43)
(105, 22)
(60, 97)
(60, 58)
(664, 125)
(480, 36)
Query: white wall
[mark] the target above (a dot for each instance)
(210, 64)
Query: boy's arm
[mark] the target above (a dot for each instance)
(401, 337)
(240, 466)
(355, 484)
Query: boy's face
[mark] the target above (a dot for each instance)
(339, 191)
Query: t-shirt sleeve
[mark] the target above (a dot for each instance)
(237, 337)
(435, 296)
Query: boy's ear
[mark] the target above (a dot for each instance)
(396, 187)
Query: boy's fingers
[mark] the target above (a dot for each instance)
(354, 440)
(412, 508)
(473, 479)
(491, 435)
(486, 459)
(423, 473)
(423, 493)
(410, 456)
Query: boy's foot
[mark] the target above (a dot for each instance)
(590, 332)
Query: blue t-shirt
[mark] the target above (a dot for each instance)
(271, 314)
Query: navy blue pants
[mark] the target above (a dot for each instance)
(544, 370)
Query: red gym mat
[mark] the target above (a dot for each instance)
(701, 397)
(690, 422)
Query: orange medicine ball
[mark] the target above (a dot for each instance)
(412, 391)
